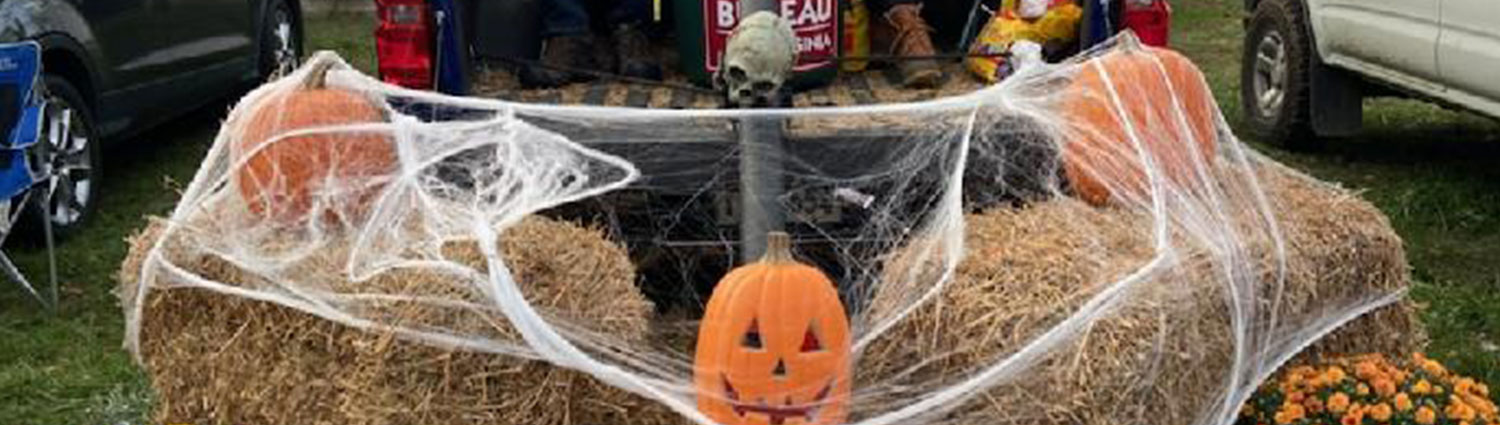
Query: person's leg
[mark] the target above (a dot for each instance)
(634, 55)
(565, 45)
(912, 41)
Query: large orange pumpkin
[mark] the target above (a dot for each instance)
(1162, 101)
(773, 346)
(335, 171)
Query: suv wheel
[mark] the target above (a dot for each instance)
(65, 161)
(1274, 77)
(280, 40)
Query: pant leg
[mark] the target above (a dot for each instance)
(632, 12)
(879, 7)
(564, 17)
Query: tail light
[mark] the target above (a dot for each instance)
(403, 42)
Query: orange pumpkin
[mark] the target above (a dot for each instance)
(773, 346)
(337, 171)
(1162, 101)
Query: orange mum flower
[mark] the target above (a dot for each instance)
(1317, 381)
(1403, 402)
(1366, 370)
(1421, 387)
(1480, 404)
(1433, 367)
(1426, 416)
(1464, 386)
(1338, 403)
(1300, 373)
(1314, 405)
(1290, 413)
(1381, 412)
(1353, 418)
(1459, 411)
(1362, 389)
(1335, 374)
(1384, 387)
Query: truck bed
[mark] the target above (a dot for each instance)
(687, 212)
(873, 86)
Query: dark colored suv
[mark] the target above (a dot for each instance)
(115, 67)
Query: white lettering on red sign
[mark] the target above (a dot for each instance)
(812, 20)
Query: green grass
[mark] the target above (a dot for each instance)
(67, 366)
(351, 35)
(1432, 171)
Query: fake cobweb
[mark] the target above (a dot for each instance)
(884, 199)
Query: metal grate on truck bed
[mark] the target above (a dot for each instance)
(873, 86)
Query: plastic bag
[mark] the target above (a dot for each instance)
(988, 55)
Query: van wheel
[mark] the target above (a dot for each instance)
(1274, 77)
(66, 163)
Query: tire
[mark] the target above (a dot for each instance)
(1275, 90)
(280, 40)
(69, 150)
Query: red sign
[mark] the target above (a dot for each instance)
(814, 21)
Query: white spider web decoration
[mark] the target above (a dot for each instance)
(878, 196)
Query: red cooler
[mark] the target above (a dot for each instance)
(1150, 19)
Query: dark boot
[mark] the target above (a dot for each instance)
(633, 54)
(912, 40)
(560, 55)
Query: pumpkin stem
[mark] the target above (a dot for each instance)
(778, 249)
(317, 77)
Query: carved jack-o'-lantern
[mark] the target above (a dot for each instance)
(773, 347)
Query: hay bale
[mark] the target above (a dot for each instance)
(215, 358)
(1162, 356)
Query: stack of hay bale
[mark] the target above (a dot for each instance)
(1165, 355)
(215, 358)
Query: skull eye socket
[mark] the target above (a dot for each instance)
(751, 339)
(764, 86)
(736, 73)
(810, 341)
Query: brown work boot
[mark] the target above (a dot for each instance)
(912, 40)
(562, 56)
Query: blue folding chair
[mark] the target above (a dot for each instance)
(22, 106)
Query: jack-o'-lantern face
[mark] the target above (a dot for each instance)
(773, 347)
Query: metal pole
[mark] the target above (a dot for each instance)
(761, 183)
(761, 175)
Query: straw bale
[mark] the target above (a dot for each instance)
(215, 358)
(1165, 353)
(1156, 359)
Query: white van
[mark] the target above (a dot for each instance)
(1308, 63)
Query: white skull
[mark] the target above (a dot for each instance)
(758, 59)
